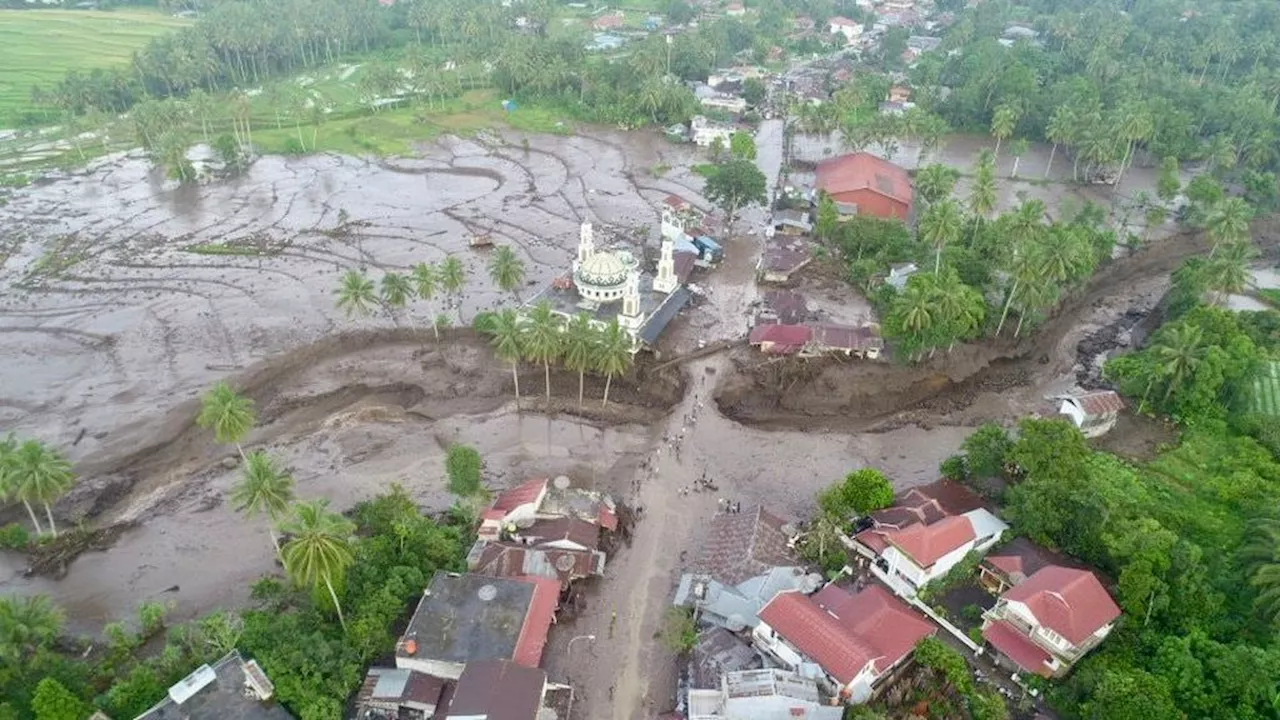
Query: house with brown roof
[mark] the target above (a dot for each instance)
(1011, 564)
(929, 531)
(743, 562)
(1048, 622)
(1094, 412)
(485, 690)
(817, 339)
(851, 642)
(512, 559)
(463, 618)
(783, 256)
(874, 185)
(548, 516)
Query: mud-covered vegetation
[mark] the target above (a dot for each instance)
(294, 632)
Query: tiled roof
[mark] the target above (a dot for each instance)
(1099, 402)
(864, 171)
(740, 546)
(951, 496)
(537, 622)
(1017, 647)
(843, 632)
(788, 304)
(523, 494)
(580, 532)
(1070, 602)
(926, 544)
(785, 338)
(1018, 560)
(684, 262)
(502, 559)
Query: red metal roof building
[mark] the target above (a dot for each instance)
(876, 186)
(1047, 622)
(855, 638)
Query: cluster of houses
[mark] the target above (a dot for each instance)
(473, 648)
(777, 641)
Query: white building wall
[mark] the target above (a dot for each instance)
(439, 668)
(767, 639)
(777, 707)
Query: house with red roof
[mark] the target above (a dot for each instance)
(463, 618)
(542, 499)
(1046, 623)
(850, 641)
(874, 185)
(929, 531)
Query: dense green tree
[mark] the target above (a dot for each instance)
(860, 492)
(27, 625)
(940, 225)
(735, 185)
(464, 466)
(935, 182)
(742, 146)
(53, 701)
(987, 450)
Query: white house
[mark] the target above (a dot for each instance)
(704, 131)
(1046, 623)
(768, 694)
(1093, 412)
(849, 643)
(917, 554)
(850, 29)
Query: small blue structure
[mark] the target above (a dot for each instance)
(709, 249)
(605, 41)
(509, 105)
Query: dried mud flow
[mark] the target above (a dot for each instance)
(975, 382)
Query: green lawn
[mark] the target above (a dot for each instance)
(38, 47)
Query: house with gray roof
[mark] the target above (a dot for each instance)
(231, 689)
(744, 561)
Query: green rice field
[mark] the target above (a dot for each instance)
(38, 47)
(1266, 391)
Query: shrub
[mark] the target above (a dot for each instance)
(14, 537)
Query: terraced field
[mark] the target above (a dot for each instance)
(37, 47)
(1266, 391)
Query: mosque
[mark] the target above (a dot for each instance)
(611, 284)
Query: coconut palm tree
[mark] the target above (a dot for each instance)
(940, 225)
(397, 291)
(982, 197)
(1228, 221)
(543, 340)
(41, 474)
(453, 277)
(319, 549)
(425, 282)
(263, 488)
(27, 624)
(1060, 131)
(936, 181)
(1003, 122)
(227, 413)
(1227, 273)
(506, 270)
(914, 311)
(1179, 351)
(615, 355)
(9, 477)
(1023, 268)
(355, 294)
(960, 308)
(1262, 555)
(508, 342)
(1019, 148)
(581, 338)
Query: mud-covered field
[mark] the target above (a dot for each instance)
(115, 317)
